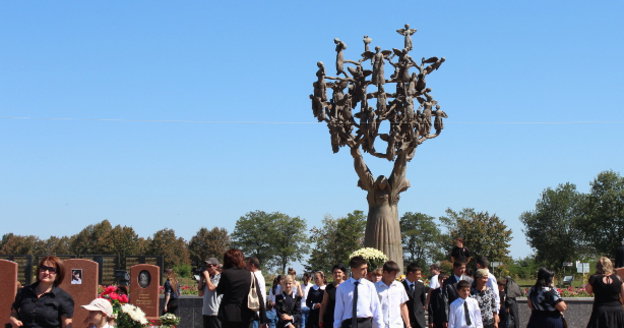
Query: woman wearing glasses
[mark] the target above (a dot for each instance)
(43, 304)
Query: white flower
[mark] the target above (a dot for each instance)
(370, 254)
(135, 313)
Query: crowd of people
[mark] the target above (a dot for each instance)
(235, 296)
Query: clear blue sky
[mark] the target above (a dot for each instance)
(211, 117)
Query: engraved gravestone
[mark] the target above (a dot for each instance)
(8, 286)
(81, 282)
(145, 288)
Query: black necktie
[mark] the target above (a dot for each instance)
(467, 313)
(354, 309)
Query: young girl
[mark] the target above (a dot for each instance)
(100, 313)
(287, 305)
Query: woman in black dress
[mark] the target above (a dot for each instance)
(608, 290)
(326, 314)
(315, 298)
(545, 302)
(43, 304)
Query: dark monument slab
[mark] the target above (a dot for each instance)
(145, 289)
(81, 282)
(8, 286)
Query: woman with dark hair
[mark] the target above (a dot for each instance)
(43, 304)
(545, 302)
(172, 292)
(326, 313)
(609, 290)
(235, 284)
(276, 289)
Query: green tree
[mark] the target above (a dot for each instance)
(550, 229)
(602, 224)
(93, 239)
(523, 268)
(289, 239)
(252, 235)
(12, 244)
(335, 240)
(122, 241)
(423, 242)
(484, 234)
(58, 246)
(274, 238)
(208, 243)
(173, 249)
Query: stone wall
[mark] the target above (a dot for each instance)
(577, 315)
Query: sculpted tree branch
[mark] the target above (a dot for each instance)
(393, 100)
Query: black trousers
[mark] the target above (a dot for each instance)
(212, 321)
(172, 306)
(361, 323)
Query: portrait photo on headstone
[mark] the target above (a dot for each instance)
(76, 276)
(144, 279)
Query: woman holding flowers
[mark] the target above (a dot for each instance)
(43, 304)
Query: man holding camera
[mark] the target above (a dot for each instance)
(207, 286)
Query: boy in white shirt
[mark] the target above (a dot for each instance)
(464, 312)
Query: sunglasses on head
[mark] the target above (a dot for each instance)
(47, 268)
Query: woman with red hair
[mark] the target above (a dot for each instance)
(235, 284)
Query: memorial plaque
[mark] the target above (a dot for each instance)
(145, 289)
(81, 282)
(8, 286)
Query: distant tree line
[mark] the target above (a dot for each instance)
(278, 240)
(566, 225)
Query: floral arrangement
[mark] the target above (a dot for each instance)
(375, 257)
(126, 315)
(114, 295)
(131, 316)
(567, 292)
(169, 320)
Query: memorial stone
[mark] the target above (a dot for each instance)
(8, 286)
(81, 282)
(145, 289)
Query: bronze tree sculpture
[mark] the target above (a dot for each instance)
(391, 99)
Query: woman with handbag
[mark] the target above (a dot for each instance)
(546, 304)
(235, 285)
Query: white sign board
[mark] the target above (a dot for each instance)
(582, 267)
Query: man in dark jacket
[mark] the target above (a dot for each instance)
(417, 293)
(438, 304)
